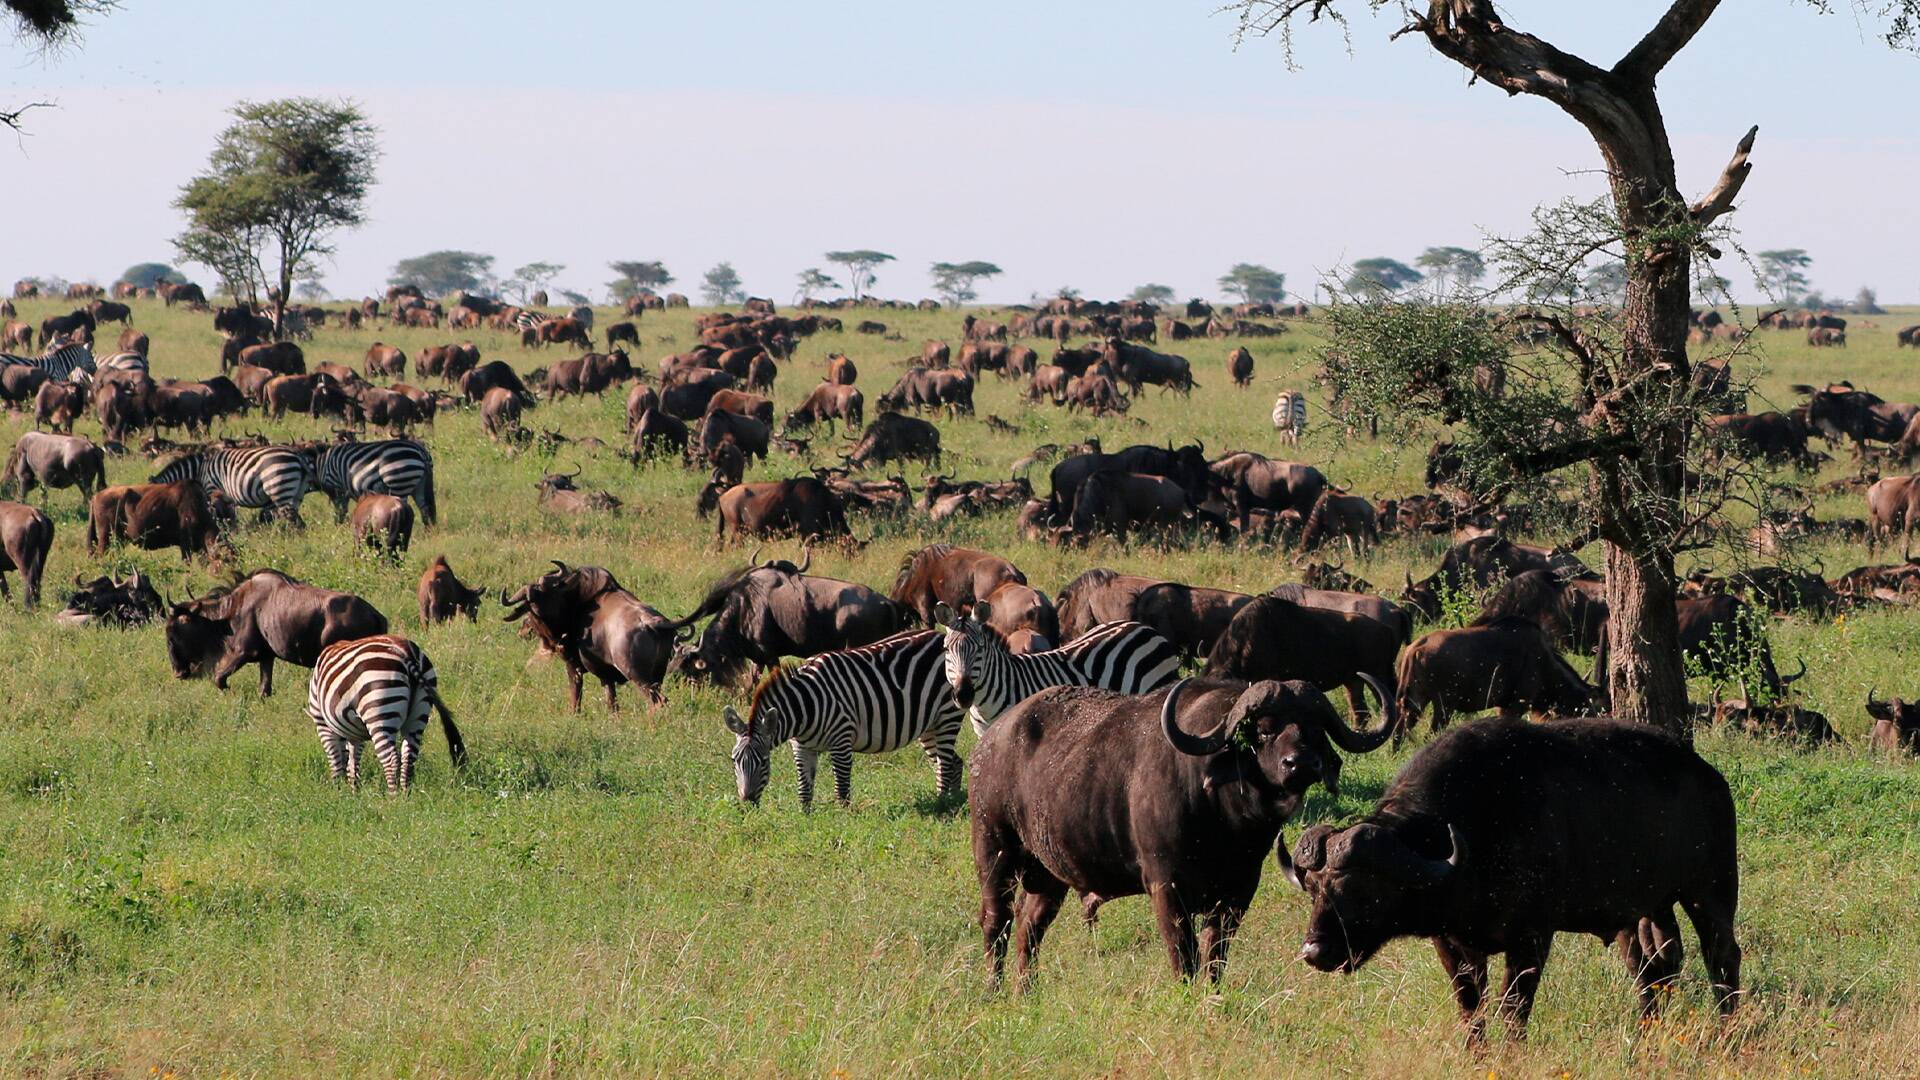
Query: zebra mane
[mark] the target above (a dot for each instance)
(765, 686)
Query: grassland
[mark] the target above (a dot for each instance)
(183, 892)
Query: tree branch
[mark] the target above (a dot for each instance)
(1542, 462)
(1671, 34)
(1719, 201)
(12, 119)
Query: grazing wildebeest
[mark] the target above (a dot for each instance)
(1255, 482)
(1114, 503)
(720, 427)
(1338, 514)
(1508, 664)
(442, 596)
(622, 331)
(893, 437)
(803, 506)
(1186, 466)
(263, 617)
(26, 536)
(841, 370)
(1896, 725)
(559, 494)
(1725, 638)
(954, 576)
(655, 432)
(1100, 596)
(597, 627)
(1500, 833)
(57, 403)
(1484, 560)
(1893, 502)
(1838, 411)
(828, 402)
(382, 521)
(764, 612)
(1240, 367)
(742, 403)
(152, 516)
(54, 461)
(500, 412)
(590, 374)
(1769, 435)
(1077, 788)
(1279, 638)
(491, 375)
(1572, 613)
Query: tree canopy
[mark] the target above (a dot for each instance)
(282, 179)
(954, 281)
(148, 275)
(860, 264)
(721, 286)
(1781, 273)
(1152, 293)
(1382, 275)
(441, 273)
(531, 278)
(811, 281)
(1452, 266)
(637, 276)
(1254, 283)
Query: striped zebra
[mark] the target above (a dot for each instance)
(987, 679)
(72, 361)
(1290, 415)
(377, 688)
(870, 700)
(401, 468)
(273, 478)
(527, 320)
(124, 361)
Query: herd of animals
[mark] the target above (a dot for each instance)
(1101, 767)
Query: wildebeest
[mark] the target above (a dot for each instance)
(1255, 482)
(1896, 725)
(803, 506)
(1893, 502)
(921, 389)
(893, 437)
(766, 611)
(1240, 367)
(499, 412)
(1338, 514)
(742, 403)
(1076, 789)
(1278, 638)
(54, 461)
(1186, 466)
(265, 616)
(1725, 638)
(655, 432)
(597, 627)
(382, 521)
(1482, 561)
(590, 374)
(841, 370)
(494, 374)
(721, 427)
(559, 494)
(26, 536)
(112, 601)
(1826, 337)
(57, 403)
(828, 402)
(1115, 503)
(442, 596)
(954, 576)
(1769, 435)
(1508, 664)
(152, 516)
(1573, 614)
(1097, 394)
(1499, 834)
(1138, 366)
(1838, 411)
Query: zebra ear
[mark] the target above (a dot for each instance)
(942, 615)
(733, 721)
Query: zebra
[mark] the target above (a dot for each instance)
(124, 361)
(377, 688)
(1290, 415)
(868, 700)
(397, 467)
(987, 679)
(273, 478)
(527, 320)
(71, 361)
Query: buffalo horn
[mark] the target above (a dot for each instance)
(1290, 871)
(1192, 745)
(1359, 742)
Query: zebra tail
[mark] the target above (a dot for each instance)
(456, 746)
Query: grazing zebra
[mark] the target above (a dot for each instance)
(988, 679)
(377, 688)
(396, 467)
(868, 700)
(62, 360)
(273, 478)
(124, 361)
(1290, 415)
(527, 320)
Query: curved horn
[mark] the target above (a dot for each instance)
(1359, 742)
(560, 565)
(806, 558)
(1795, 677)
(1870, 700)
(1285, 860)
(753, 556)
(1409, 576)
(1191, 745)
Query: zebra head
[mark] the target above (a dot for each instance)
(752, 752)
(966, 649)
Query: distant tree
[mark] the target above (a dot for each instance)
(147, 275)
(529, 279)
(812, 281)
(50, 24)
(283, 177)
(312, 289)
(575, 298)
(1606, 283)
(1254, 283)
(1867, 302)
(1712, 289)
(721, 286)
(1451, 266)
(860, 264)
(954, 281)
(637, 277)
(441, 273)
(1067, 292)
(1381, 275)
(1152, 293)
(1781, 273)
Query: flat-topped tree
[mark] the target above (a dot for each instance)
(1254, 283)
(954, 281)
(1633, 448)
(860, 264)
(637, 276)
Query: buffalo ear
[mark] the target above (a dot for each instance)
(982, 611)
(942, 614)
(1332, 778)
(734, 723)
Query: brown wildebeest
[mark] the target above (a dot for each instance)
(1827, 337)
(263, 617)
(590, 374)
(1049, 381)
(598, 628)
(57, 403)
(640, 399)
(20, 384)
(558, 493)
(1101, 596)
(1896, 725)
(566, 330)
(382, 521)
(1348, 517)
(1240, 367)
(152, 516)
(104, 311)
(655, 433)
(17, 335)
(936, 354)
(954, 576)
(133, 341)
(1893, 502)
(892, 437)
(1115, 503)
(839, 369)
(828, 402)
(1076, 788)
(494, 373)
(1508, 664)
(282, 356)
(1271, 637)
(499, 413)
(803, 506)
(385, 360)
(26, 536)
(742, 403)
(54, 461)
(442, 596)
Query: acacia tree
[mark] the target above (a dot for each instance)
(1254, 283)
(147, 275)
(636, 276)
(1451, 265)
(1632, 446)
(860, 264)
(1782, 274)
(1381, 275)
(440, 273)
(812, 280)
(1152, 293)
(283, 177)
(531, 278)
(954, 281)
(721, 286)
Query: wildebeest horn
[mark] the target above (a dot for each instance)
(754, 555)
(1359, 742)
(806, 558)
(1796, 675)
(1179, 739)
(557, 563)
(1409, 577)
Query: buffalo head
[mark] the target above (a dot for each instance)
(1369, 883)
(1278, 735)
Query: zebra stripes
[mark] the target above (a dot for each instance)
(527, 320)
(273, 478)
(870, 700)
(401, 468)
(1290, 415)
(377, 688)
(73, 362)
(124, 361)
(987, 680)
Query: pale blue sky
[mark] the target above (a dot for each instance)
(1097, 144)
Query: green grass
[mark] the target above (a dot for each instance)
(182, 890)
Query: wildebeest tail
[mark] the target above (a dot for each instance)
(456, 746)
(11, 475)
